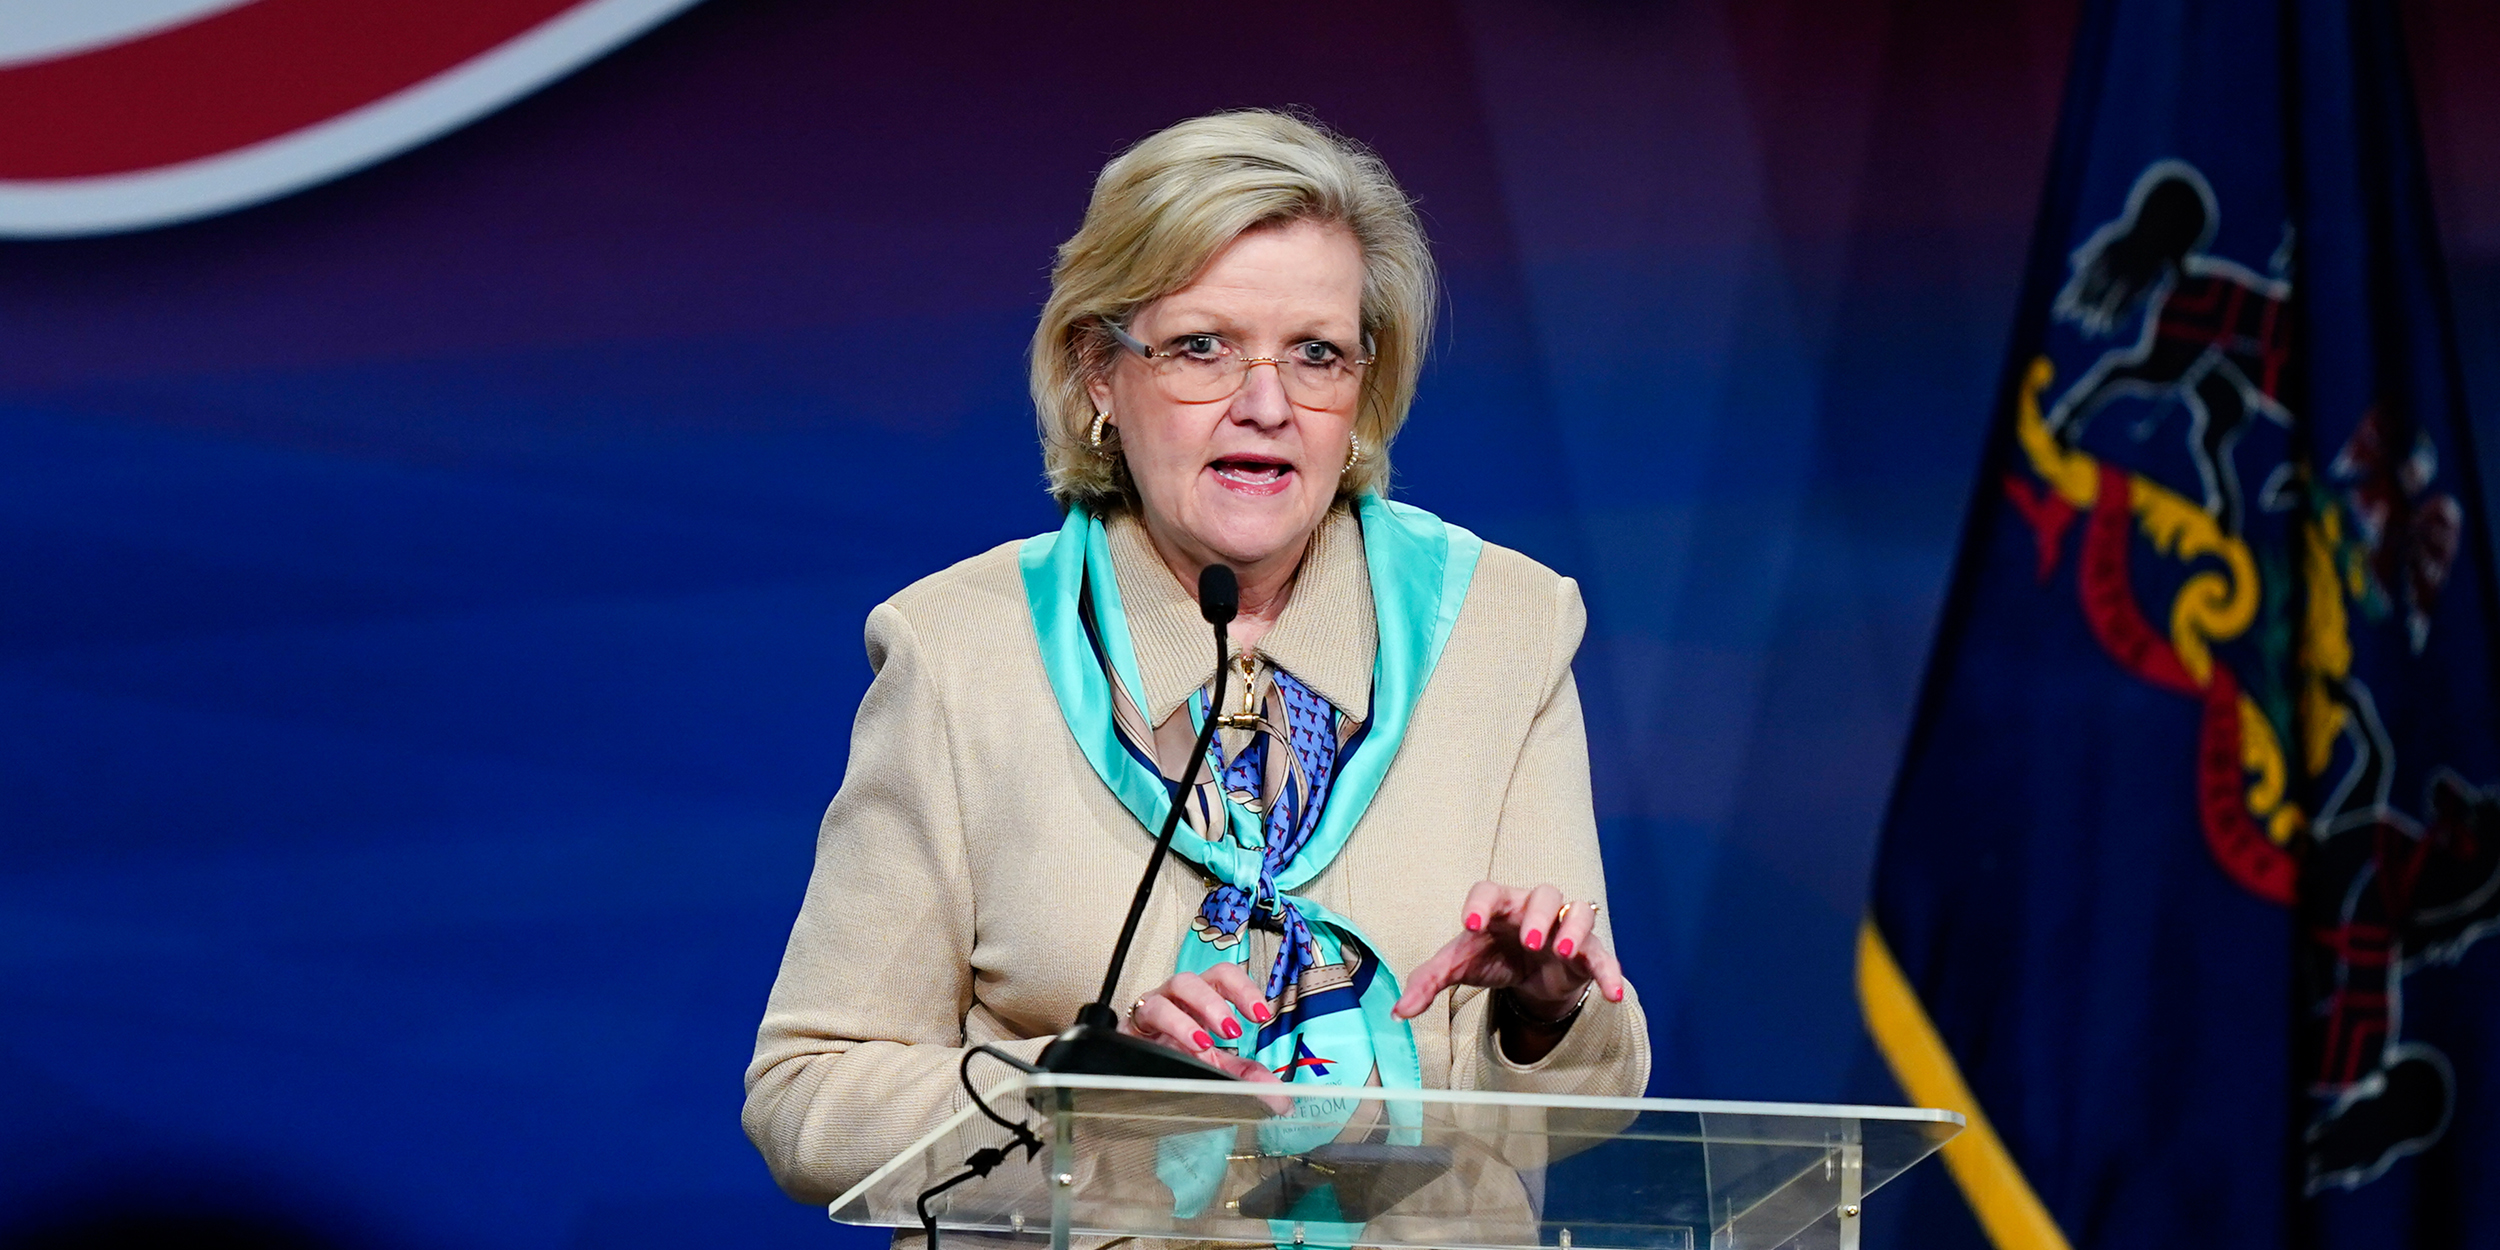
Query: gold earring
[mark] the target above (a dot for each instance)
(1354, 453)
(1093, 437)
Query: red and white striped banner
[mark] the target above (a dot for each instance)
(124, 114)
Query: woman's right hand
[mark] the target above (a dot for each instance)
(1189, 1012)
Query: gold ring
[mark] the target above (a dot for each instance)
(1564, 914)
(1135, 1007)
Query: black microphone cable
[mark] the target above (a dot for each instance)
(984, 1161)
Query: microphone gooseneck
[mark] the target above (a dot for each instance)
(1094, 1044)
(1219, 600)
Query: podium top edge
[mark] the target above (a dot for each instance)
(1491, 1098)
(1020, 1083)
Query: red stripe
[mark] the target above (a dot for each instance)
(235, 78)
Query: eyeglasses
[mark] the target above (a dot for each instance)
(1202, 368)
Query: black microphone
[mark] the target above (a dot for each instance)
(1094, 1045)
(1219, 597)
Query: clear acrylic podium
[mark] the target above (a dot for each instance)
(1453, 1169)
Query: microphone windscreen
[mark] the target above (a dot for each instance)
(1219, 594)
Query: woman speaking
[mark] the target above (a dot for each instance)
(1389, 874)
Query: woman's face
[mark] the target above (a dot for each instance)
(1243, 479)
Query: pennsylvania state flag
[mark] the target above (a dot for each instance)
(2185, 883)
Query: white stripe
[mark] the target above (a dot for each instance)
(39, 30)
(59, 208)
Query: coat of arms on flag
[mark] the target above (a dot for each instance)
(2184, 885)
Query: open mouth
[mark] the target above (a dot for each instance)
(1257, 474)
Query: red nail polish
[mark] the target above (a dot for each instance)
(1260, 1013)
(1474, 922)
(1563, 948)
(1204, 1042)
(1231, 1029)
(1535, 939)
(1617, 996)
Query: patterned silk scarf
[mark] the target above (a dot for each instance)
(1333, 1025)
(1311, 746)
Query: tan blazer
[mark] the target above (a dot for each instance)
(973, 871)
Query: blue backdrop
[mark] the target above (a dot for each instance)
(430, 605)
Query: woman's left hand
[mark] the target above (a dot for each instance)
(1523, 941)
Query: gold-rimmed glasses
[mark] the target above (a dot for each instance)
(1202, 367)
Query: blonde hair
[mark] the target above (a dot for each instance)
(1161, 211)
